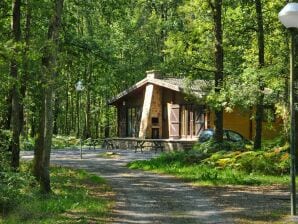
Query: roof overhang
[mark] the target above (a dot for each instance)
(158, 82)
(155, 81)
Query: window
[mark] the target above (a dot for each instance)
(192, 120)
(154, 121)
(133, 121)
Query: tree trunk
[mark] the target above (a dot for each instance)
(260, 101)
(219, 54)
(72, 121)
(66, 128)
(33, 127)
(87, 133)
(107, 126)
(25, 75)
(15, 95)
(7, 119)
(44, 140)
(56, 113)
(78, 120)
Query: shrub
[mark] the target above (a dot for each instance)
(27, 143)
(5, 138)
(61, 142)
(273, 162)
(212, 146)
(12, 184)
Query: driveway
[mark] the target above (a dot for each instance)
(143, 197)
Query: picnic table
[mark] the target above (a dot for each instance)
(137, 143)
(93, 142)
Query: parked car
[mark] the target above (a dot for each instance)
(228, 135)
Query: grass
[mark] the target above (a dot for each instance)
(111, 155)
(191, 167)
(78, 197)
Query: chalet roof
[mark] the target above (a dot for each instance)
(194, 87)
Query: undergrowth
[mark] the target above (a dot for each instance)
(27, 143)
(224, 164)
(78, 197)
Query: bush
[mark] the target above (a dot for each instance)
(58, 142)
(27, 143)
(12, 184)
(273, 162)
(212, 146)
(5, 138)
(61, 142)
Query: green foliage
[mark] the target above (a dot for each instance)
(273, 159)
(77, 197)
(62, 142)
(58, 142)
(27, 143)
(5, 137)
(209, 164)
(202, 173)
(212, 146)
(273, 162)
(13, 184)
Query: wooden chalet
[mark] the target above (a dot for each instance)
(174, 110)
(159, 109)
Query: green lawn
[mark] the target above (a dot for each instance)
(78, 197)
(194, 168)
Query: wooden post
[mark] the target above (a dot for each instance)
(146, 110)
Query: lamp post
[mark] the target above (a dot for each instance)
(289, 18)
(79, 88)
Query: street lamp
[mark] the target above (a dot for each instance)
(79, 88)
(289, 18)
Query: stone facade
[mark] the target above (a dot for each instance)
(154, 129)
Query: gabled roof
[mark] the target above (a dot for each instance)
(195, 87)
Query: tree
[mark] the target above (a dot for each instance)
(219, 66)
(15, 93)
(261, 56)
(49, 69)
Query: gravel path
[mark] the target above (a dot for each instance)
(143, 197)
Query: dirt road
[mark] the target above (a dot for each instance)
(143, 197)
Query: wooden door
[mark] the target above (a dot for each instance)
(174, 121)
